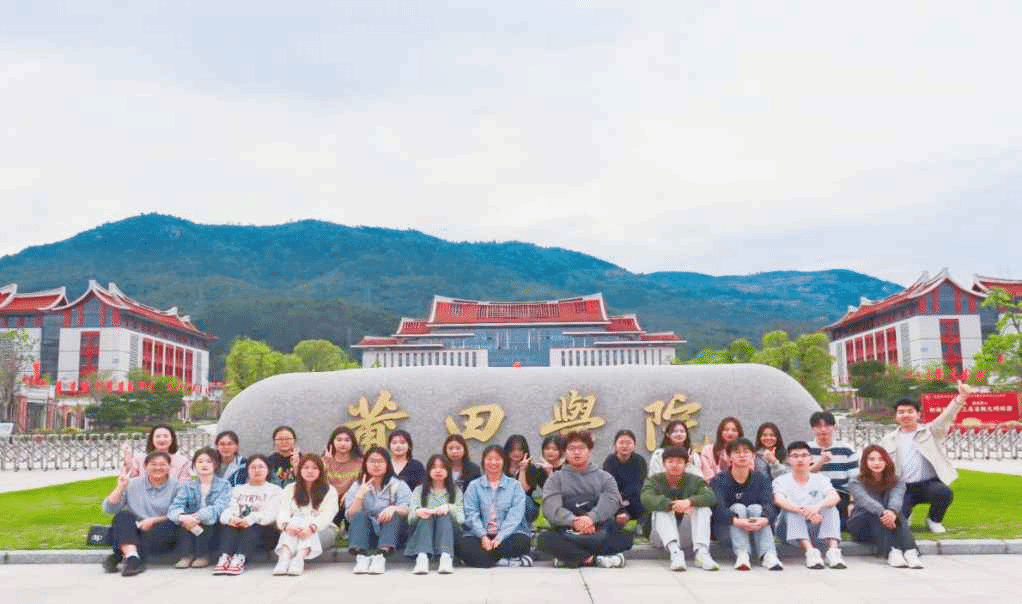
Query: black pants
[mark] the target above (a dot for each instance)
(197, 546)
(842, 508)
(472, 553)
(573, 553)
(157, 540)
(867, 528)
(245, 541)
(933, 492)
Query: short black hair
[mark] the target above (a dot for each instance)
(582, 436)
(741, 441)
(681, 452)
(822, 416)
(798, 444)
(154, 454)
(908, 402)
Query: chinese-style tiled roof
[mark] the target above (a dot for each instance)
(585, 309)
(625, 323)
(376, 341)
(661, 336)
(923, 285)
(12, 302)
(113, 296)
(412, 327)
(983, 285)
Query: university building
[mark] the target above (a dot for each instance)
(936, 321)
(574, 332)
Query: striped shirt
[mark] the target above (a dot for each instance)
(843, 464)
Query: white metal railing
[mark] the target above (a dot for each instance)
(988, 442)
(87, 451)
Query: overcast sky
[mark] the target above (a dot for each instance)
(883, 137)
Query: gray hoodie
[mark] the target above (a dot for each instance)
(569, 486)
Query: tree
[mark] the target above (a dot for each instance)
(322, 355)
(1001, 355)
(252, 360)
(806, 359)
(15, 360)
(141, 406)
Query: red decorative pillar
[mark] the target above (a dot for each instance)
(20, 413)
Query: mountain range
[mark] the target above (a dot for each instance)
(315, 279)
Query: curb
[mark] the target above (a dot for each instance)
(946, 547)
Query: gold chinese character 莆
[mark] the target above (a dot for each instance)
(371, 428)
(481, 422)
(573, 412)
(658, 412)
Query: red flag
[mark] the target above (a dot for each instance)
(57, 389)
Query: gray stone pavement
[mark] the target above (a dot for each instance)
(957, 579)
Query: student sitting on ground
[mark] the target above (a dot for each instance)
(376, 507)
(434, 517)
(250, 519)
(232, 466)
(877, 516)
(629, 472)
(836, 460)
(285, 456)
(343, 462)
(921, 458)
(406, 467)
(579, 502)
(463, 471)
(306, 517)
(770, 452)
(675, 435)
(714, 460)
(196, 510)
(162, 438)
(745, 508)
(140, 524)
(495, 525)
(808, 508)
(681, 506)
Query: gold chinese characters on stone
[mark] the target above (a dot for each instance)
(658, 413)
(481, 422)
(573, 412)
(372, 425)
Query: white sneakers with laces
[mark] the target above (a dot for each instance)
(283, 561)
(935, 527)
(912, 558)
(361, 564)
(678, 560)
(377, 564)
(813, 559)
(896, 558)
(742, 561)
(834, 559)
(770, 561)
(705, 561)
(421, 564)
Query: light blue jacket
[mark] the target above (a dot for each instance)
(510, 506)
(188, 500)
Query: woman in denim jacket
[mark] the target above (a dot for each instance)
(196, 509)
(496, 530)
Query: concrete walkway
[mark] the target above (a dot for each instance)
(946, 579)
(34, 479)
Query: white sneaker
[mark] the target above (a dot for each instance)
(705, 561)
(377, 564)
(421, 564)
(524, 560)
(813, 558)
(611, 561)
(912, 558)
(896, 559)
(770, 561)
(297, 566)
(935, 527)
(361, 564)
(282, 563)
(446, 566)
(503, 562)
(742, 561)
(678, 560)
(834, 559)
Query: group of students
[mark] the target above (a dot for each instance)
(220, 505)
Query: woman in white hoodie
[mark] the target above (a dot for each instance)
(249, 519)
(306, 515)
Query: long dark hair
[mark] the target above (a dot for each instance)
(319, 487)
(427, 486)
(213, 454)
(719, 444)
(666, 442)
(356, 451)
(150, 447)
(494, 449)
(888, 479)
(464, 445)
(364, 475)
(516, 439)
(405, 435)
(779, 450)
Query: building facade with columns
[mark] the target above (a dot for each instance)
(551, 333)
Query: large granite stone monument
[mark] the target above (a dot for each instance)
(486, 405)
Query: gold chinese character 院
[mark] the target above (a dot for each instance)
(573, 412)
(371, 428)
(657, 413)
(481, 422)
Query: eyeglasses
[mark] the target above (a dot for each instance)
(286, 439)
(577, 449)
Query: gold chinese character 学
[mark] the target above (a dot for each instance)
(371, 428)
(657, 413)
(573, 412)
(481, 422)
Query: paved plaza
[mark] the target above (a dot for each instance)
(957, 579)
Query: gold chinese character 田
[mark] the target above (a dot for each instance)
(481, 422)
(573, 412)
(657, 413)
(371, 429)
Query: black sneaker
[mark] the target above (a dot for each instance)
(133, 566)
(110, 563)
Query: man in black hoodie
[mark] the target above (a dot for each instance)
(580, 502)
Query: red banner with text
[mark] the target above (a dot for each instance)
(987, 408)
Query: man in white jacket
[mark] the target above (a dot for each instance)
(921, 459)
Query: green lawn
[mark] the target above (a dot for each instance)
(986, 506)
